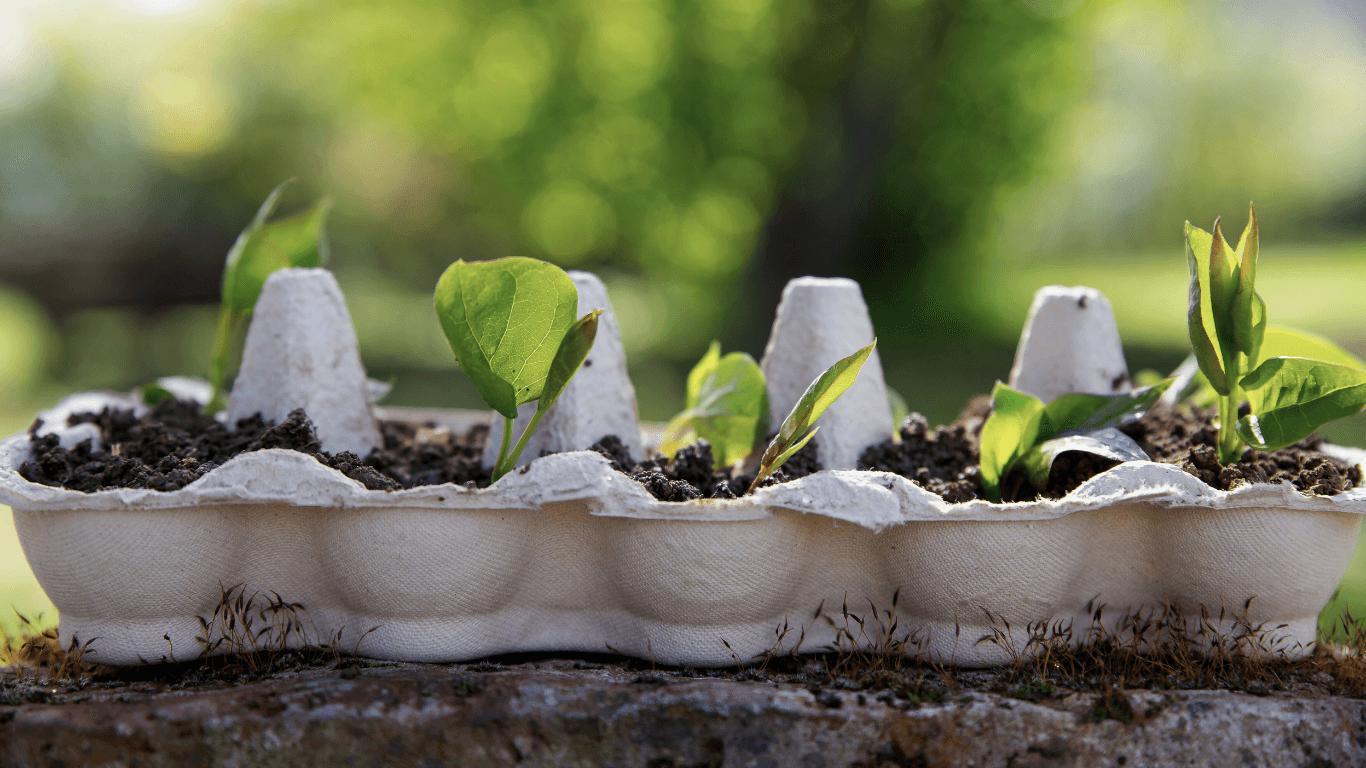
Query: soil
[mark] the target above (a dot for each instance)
(173, 445)
(945, 461)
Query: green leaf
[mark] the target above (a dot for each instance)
(1199, 244)
(1108, 442)
(1249, 311)
(574, 349)
(505, 320)
(899, 412)
(153, 394)
(1010, 431)
(727, 407)
(822, 393)
(1291, 397)
(1223, 285)
(261, 249)
(1080, 412)
(1285, 342)
(700, 372)
(1019, 422)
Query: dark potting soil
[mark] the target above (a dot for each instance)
(692, 474)
(945, 461)
(174, 444)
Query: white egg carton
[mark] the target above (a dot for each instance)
(566, 554)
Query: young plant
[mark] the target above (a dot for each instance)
(727, 406)
(1307, 383)
(510, 323)
(822, 393)
(1225, 319)
(1023, 431)
(296, 241)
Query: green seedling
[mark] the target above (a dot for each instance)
(800, 425)
(1294, 382)
(1023, 431)
(727, 405)
(899, 412)
(510, 323)
(296, 241)
(153, 394)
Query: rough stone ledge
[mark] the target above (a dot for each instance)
(568, 713)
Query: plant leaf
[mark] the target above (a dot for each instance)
(899, 411)
(153, 394)
(1108, 442)
(1223, 285)
(822, 393)
(1083, 413)
(1010, 431)
(505, 320)
(1198, 244)
(700, 372)
(1249, 311)
(1291, 397)
(574, 349)
(1286, 342)
(261, 249)
(728, 407)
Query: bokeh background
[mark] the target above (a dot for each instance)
(952, 155)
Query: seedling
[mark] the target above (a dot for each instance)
(727, 405)
(822, 393)
(297, 241)
(510, 323)
(1022, 431)
(1310, 383)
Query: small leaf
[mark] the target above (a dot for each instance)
(1223, 284)
(728, 407)
(1081, 413)
(153, 394)
(899, 411)
(1109, 443)
(261, 249)
(822, 393)
(1249, 311)
(1010, 431)
(505, 320)
(1199, 243)
(574, 349)
(1286, 342)
(1292, 397)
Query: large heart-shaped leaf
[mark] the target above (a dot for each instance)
(505, 320)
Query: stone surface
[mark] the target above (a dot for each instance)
(301, 353)
(599, 400)
(821, 320)
(1070, 344)
(575, 713)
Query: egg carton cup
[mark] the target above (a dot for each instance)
(567, 554)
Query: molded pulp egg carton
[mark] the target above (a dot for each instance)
(566, 554)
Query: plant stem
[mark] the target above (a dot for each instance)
(1230, 445)
(218, 366)
(498, 470)
(511, 461)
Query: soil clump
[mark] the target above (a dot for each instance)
(693, 474)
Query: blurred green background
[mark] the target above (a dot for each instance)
(951, 155)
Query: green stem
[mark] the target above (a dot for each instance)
(1230, 445)
(521, 444)
(498, 470)
(218, 366)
